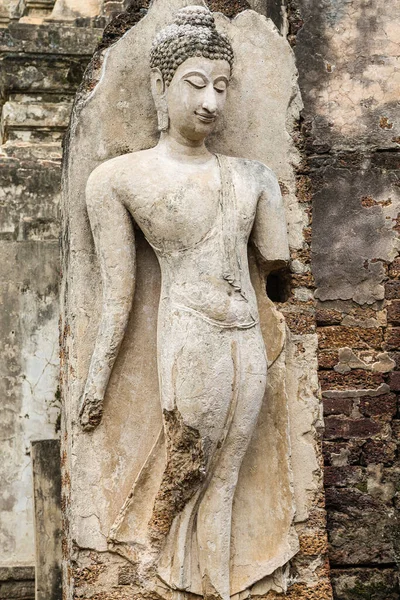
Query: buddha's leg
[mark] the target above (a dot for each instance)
(215, 510)
(213, 382)
(197, 372)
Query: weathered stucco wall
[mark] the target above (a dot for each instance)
(41, 67)
(347, 54)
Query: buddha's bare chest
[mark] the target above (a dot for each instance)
(176, 215)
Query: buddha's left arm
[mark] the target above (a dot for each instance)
(269, 234)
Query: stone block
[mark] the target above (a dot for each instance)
(353, 337)
(47, 501)
(327, 359)
(337, 406)
(392, 338)
(396, 429)
(33, 115)
(69, 10)
(394, 269)
(300, 322)
(361, 529)
(346, 476)
(392, 290)
(42, 73)
(338, 453)
(353, 380)
(17, 590)
(49, 39)
(29, 210)
(366, 583)
(378, 452)
(17, 583)
(393, 312)
(343, 427)
(325, 316)
(17, 573)
(396, 357)
(394, 381)
(381, 407)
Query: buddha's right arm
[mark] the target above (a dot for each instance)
(115, 248)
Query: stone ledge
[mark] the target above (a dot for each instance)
(17, 583)
(52, 38)
(17, 573)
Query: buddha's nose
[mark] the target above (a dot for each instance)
(210, 100)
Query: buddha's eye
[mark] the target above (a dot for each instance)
(196, 82)
(220, 87)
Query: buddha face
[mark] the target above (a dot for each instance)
(195, 97)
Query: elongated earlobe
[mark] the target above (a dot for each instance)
(162, 117)
(158, 90)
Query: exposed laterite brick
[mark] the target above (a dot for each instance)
(307, 235)
(394, 381)
(302, 280)
(300, 591)
(361, 313)
(337, 406)
(343, 476)
(394, 269)
(353, 380)
(303, 254)
(378, 452)
(123, 22)
(392, 341)
(127, 574)
(383, 407)
(344, 500)
(392, 290)
(323, 571)
(88, 575)
(393, 312)
(327, 359)
(300, 322)
(366, 584)
(396, 357)
(313, 543)
(396, 429)
(325, 316)
(344, 427)
(317, 518)
(229, 8)
(304, 188)
(352, 337)
(348, 452)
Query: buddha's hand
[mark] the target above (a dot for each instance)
(91, 411)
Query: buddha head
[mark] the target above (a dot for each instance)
(191, 64)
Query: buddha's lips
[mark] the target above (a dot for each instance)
(207, 118)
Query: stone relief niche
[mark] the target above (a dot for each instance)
(186, 460)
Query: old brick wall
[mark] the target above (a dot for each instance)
(349, 135)
(40, 69)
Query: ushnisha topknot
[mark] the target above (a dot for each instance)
(192, 33)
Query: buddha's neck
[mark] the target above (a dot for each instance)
(182, 149)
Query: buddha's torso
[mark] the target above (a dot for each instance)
(198, 218)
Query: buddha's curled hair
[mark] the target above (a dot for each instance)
(192, 33)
